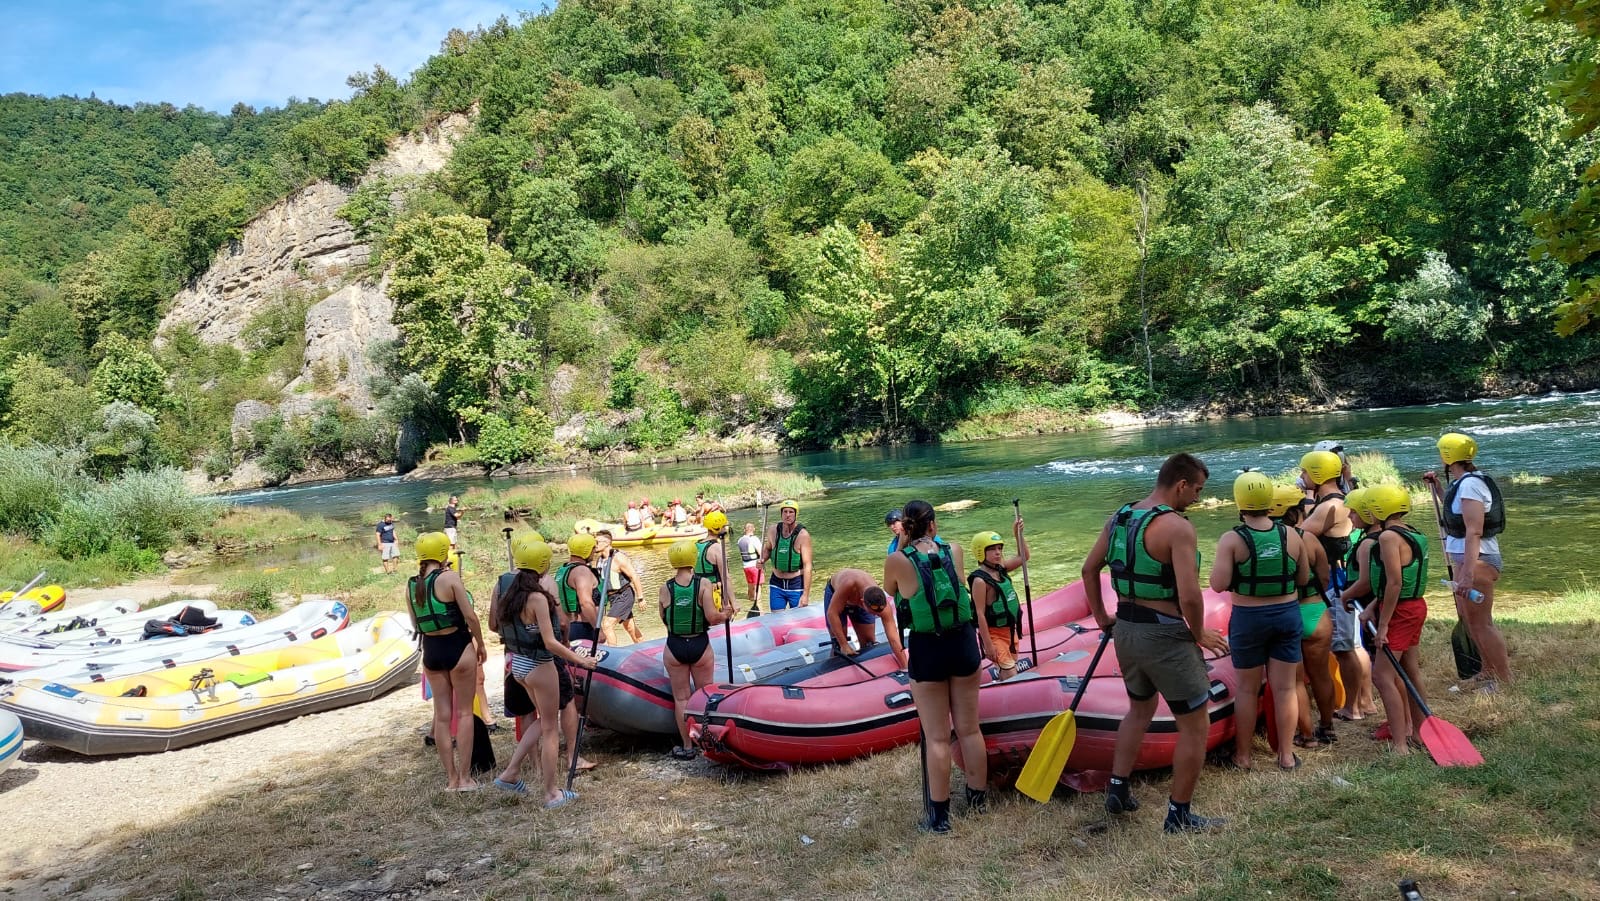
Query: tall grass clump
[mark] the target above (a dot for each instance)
(36, 481)
(147, 511)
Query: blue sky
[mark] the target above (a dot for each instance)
(213, 53)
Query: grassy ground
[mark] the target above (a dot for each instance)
(1349, 824)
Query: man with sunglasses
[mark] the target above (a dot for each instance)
(853, 596)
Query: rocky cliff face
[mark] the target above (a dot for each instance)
(300, 245)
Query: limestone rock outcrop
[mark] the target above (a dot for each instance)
(339, 331)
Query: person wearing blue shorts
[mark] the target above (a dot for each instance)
(788, 549)
(1262, 564)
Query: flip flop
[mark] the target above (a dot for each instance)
(567, 797)
(516, 787)
(1341, 715)
(1288, 768)
(683, 753)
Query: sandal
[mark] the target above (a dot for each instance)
(1309, 744)
(1296, 765)
(684, 753)
(516, 787)
(1325, 734)
(567, 797)
(1341, 715)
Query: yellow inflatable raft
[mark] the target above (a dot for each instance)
(46, 597)
(658, 534)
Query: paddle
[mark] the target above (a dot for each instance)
(1448, 744)
(1027, 590)
(761, 570)
(1042, 771)
(24, 589)
(727, 604)
(588, 681)
(511, 561)
(1469, 660)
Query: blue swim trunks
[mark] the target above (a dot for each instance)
(1257, 633)
(783, 592)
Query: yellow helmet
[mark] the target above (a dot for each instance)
(981, 543)
(1456, 447)
(433, 546)
(529, 551)
(1284, 497)
(1252, 491)
(790, 504)
(581, 545)
(716, 521)
(1322, 466)
(1358, 501)
(683, 554)
(1388, 500)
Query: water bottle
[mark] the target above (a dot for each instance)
(1409, 890)
(1473, 594)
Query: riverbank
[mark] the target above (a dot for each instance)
(345, 805)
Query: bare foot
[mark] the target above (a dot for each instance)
(585, 765)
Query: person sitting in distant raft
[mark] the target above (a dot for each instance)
(647, 513)
(689, 611)
(1159, 631)
(1399, 578)
(994, 594)
(894, 521)
(1262, 566)
(524, 613)
(632, 521)
(452, 650)
(452, 517)
(750, 556)
(788, 547)
(622, 592)
(946, 629)
(676, 514)
(705, 507)
(579, 587)
(384, 541)
(852, 598)
(1474, 515)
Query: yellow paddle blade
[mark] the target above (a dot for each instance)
(1049, 757)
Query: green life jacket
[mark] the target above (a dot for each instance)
(1003, 610)
(1413, 576)
(703, 567)
(684, 616)
(1352, 564)
(569, 595)
(1494, 521)
(944, 602)
(786, 556)
(1134, 573)
(431, 614)
(1269, 571)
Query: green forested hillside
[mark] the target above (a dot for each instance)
(866, 219)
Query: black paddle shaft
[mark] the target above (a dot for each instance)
(727, 604)
(511, 560)
(1395, 662)
(588, 679)
(1083, 684)
(1027, 592)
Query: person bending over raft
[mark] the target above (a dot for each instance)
(1329, 522)
(1262, 565)
(709, 563)
(1474, 516)
(788, 546)
(1316, 625)
(923, 577)
(452, 651)
(579, 586)
(622, 593)
(1159, 631)
(689, 611)
(1399, 577)
(852, 597)
(525, 619)
(993, 593)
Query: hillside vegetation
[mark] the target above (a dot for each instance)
(861, 220)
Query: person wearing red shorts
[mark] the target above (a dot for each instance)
(1399, 577)
(750, 555)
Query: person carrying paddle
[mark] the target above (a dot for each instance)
(689, 611)
(578, 585)
(788, 547)
(524, 613)
(1474, 514)
(852, 598)
(623, 591)
(1262, 565)
(994, 594)
(1159, 631)
(931, 600)
(1399, 574)
(452, 651)
(1328, 521)
(1316, 627)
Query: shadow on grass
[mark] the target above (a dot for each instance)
(1351, 823)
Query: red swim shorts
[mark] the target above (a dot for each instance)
(1405, 626)
(752, 575)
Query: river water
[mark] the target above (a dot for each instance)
(1069, 483)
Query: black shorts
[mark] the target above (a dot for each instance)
(622, 601)
(580, 631)
(688, 649)
(441, 653)
(940, 658)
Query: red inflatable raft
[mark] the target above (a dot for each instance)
(841, 708)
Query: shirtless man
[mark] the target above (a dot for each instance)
(853, 598)
(1329, 522)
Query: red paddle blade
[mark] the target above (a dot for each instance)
(1448, 745)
